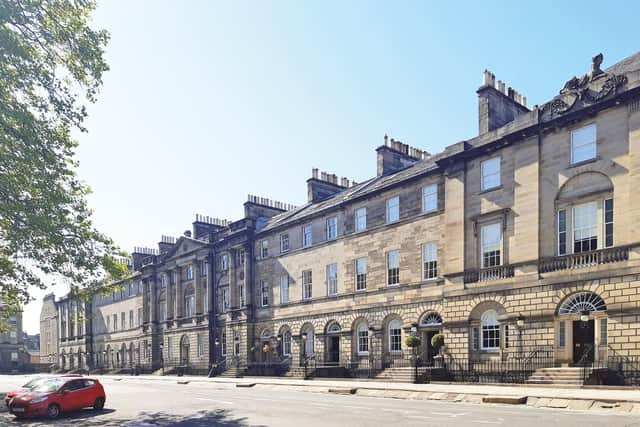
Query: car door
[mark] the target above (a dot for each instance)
(73, 399)
(89, 393)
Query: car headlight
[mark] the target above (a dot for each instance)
(39, 399)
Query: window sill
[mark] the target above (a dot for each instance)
(583, 162)
(489, 190)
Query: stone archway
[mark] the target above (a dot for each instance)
(430, 324)
(581, 328)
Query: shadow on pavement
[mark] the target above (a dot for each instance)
(106, 418)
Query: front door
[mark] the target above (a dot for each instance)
(583, 341)
(428, 351)
(334, 349)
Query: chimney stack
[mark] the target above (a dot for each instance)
(497, 103)
(166, 243)
(322, 185)
(393, 156)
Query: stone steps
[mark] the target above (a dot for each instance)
(560, 376)
(403, 375)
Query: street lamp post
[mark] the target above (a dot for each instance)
(414, 332)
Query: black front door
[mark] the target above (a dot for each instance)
(428, 351)
(583, 340)
(334, 350)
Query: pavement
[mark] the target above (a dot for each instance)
(199, 402)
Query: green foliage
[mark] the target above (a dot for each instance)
(437, 341)
(51, 64)
(412, 341)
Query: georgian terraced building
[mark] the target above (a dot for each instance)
(523, 237)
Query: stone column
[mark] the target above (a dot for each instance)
(197, 286)
(153, 309)
(233, 289)
(179, 299)
(170, 295)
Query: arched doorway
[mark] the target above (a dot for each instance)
(333, 343)
(581, 326)
(430, 324)
(184, 350)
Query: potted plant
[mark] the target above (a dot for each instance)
(437, 343)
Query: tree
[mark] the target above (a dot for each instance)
(51, 65)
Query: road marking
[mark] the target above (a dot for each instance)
(486, 422)
(224, 402)
(449, 414)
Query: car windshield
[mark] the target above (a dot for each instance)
(34, 382)
(48, 386)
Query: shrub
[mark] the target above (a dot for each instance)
(412, 342)
(437, 341)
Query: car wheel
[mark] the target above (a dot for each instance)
(53, 411)
(98, 404)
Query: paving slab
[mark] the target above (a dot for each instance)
(558, 403)
(580, 405)
(543, 402)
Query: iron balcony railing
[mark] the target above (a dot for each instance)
(488, 274)
(584, 259)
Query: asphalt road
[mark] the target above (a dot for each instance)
(147, 403)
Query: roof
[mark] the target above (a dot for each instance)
(357, 191)
(629, 66)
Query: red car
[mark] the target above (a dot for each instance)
(30, 385)
(57, 395)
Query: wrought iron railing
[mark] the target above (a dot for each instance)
(584, 259)
(488, 274)
(515, 368)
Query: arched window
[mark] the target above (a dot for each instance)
(286, 343)
(431, 319)
(395, 336)
(309, 342)
(582, 302)
(490, 330)
(363, 338)
(189, 302)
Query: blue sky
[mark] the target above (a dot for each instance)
(209, 101)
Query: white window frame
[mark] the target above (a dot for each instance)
(360, 216)
(200, 345)
(307, 236)
(131, 319)
(362, 339)
(594, 226)
(361, 262)
(430, 198)
(605, 244)
(190, 272)
(190, 304)
(223, 343)
(485, 245)
(395, 336)
(307, 284)
(490, 325)
(487, 177)
(286, 344)
(284, 289)
(264, 248)
(242, 296)
(393, 206)
(224, 262)
(332, 279)
(388, 264)
(430, 261)
(332, 228)
(225, 299)
(169, 348)
(284, 243)
(584, 144)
